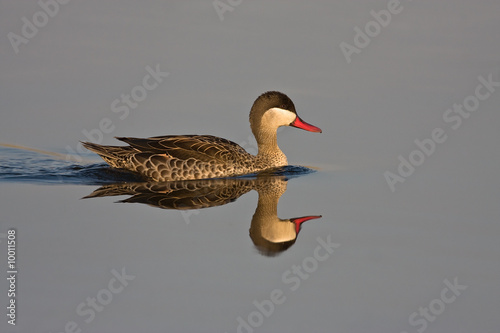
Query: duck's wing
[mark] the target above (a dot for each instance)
(204, 148)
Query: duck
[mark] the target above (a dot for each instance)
(190, 157)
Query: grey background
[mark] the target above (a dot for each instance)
(396, 248)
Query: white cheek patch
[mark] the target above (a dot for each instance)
(277, 117)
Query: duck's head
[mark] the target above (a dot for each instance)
(274, 109)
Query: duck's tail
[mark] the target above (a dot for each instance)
(116, 156)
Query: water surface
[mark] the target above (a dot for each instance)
(200, 269)
(430, 242)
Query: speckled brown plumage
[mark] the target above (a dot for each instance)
(188, 157)
(183, 194)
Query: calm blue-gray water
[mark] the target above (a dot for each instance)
(388, 221)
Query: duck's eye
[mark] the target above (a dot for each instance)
(283, 106)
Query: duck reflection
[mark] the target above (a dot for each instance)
(270, 234)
